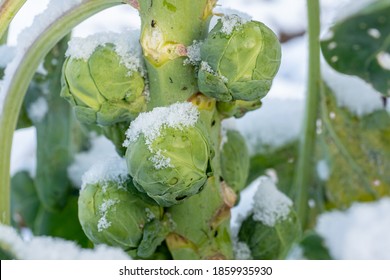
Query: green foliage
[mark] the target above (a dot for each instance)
(270, 243)
(359, 45)
(239, 65)
(313, 247)
(235, 161)
(356, 151)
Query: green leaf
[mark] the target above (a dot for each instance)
(270, 243)
(8, 9)
(355, 152)
(313, 247)
(24, 199)
(360, 45)
(64, 224)
(281, 159)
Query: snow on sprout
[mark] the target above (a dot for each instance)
(270, 205)
(231, 22)
(150, 125)
(106, 205)
(101, 149)
(126, 45)
(193, 53)
(48, 248)
(360, 232)
(113, 169)
(38, 110)
(241, 251)
(206, 67)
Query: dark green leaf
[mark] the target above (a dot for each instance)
(360, 45)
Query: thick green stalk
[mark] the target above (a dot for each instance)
(167, 27)
(8, 9)
(307, 142)
(18, 84)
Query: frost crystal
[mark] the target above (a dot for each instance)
(193, 53)
(113, 169)
(270, 205)
(126, 45)
(150, 124)
(230, 22)
(206, 67)
(103, 223)
(38, 110)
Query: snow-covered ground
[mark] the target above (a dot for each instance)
(276, 123)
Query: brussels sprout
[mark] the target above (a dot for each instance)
(239, 60)
(102, 89)
(114, 213)
(168, 153)
(235, 160)
(237, 108)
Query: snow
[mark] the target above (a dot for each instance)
(193, 53)
(241, 251)
(23, 153)
(276, 123)
(106, 205)
(101, 149)
(38, 110)
(352, 92)
(48, 248)
(383, 59)
(231, 22)
(270, 205)
(126, 45)
(358, 233)
(150, 124)
(322, 170)
(206, 67)
(351, 7)
(7, 54)
(374, 33)
(109, 169)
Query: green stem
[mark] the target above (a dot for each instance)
(18, 84)
(8, 9)
(307, 144)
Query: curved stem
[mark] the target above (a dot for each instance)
(307, 143)
(16, 87)
(8, 9)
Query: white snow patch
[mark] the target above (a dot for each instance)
(112, 169)
(101, 149)
(374, 33)
(7, 54)
(296, 253)
(23, 153)
(322, 170)
(350, 8)
(206, 67)
(270, 205)
(193, 53)
(150, 124)
(352, 92)
(126, 45)
(383, 59)
(106, 205)
(48, 248)
(360, 232)
(276, 123)
(241, 251)
(231, 22)
(38, 110)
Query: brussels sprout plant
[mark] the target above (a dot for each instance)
(164, 96)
